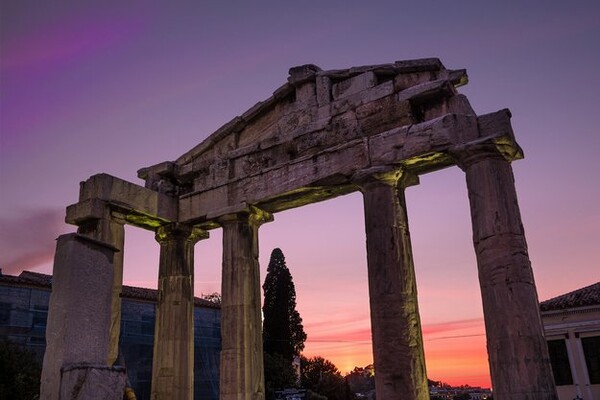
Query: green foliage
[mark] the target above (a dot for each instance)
(360, 380)
(283, 332)
(20, 373)
(279, 374)
(322, 376)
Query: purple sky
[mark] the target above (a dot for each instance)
(108, 86)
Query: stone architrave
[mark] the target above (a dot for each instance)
(517, 350)
(173, 359)
(79, 313)
(398, 354)
(242, 371)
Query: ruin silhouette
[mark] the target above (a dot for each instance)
(322, 134)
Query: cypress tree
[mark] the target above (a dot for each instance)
(283, 332)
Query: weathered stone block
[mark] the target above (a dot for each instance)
(323, 90)
(353, 85)
(404, 81)
(306, 93)
(258, 129)
(143, 200)
(427, 91)
(92, 382)
(383, 114)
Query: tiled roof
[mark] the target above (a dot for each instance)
(132, 292)
(36, 278)
(587, 296)
(29, 278)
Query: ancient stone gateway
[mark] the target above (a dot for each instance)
(323, 134)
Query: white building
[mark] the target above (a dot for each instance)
(572, 326)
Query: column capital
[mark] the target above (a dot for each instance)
(253, 215)
(503, 148)
(177, 230)
(397, 177)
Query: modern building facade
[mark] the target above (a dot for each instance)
(572, 328)
(24, 303)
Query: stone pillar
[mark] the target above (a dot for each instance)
(79, 314)
(173, 359)
(110, 228)
(242, 371)
(517, 350)
(395, 323)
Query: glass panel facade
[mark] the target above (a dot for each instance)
(24, 313)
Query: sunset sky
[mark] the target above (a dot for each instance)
(114, 86)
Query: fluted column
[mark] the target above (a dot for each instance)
(242, 371)
(395, 323)
(173, 359)
(110, 228)
(517, 349)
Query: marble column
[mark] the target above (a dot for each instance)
(110, 228)
(173, 359)
(242, 371)
(517, 349)
(395, 323)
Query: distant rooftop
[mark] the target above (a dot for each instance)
(28, 278)
(587, 296)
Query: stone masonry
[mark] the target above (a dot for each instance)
(323, 134)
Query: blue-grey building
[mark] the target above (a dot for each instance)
(24, 303)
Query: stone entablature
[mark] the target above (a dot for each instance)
(307, 141)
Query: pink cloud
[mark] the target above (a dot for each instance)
(28, 240)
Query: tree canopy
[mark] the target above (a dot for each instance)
(322, 376)
(283, 332)
(19, 372)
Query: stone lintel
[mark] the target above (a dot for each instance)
(94, 208)
(137, 202)
(419, 148)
